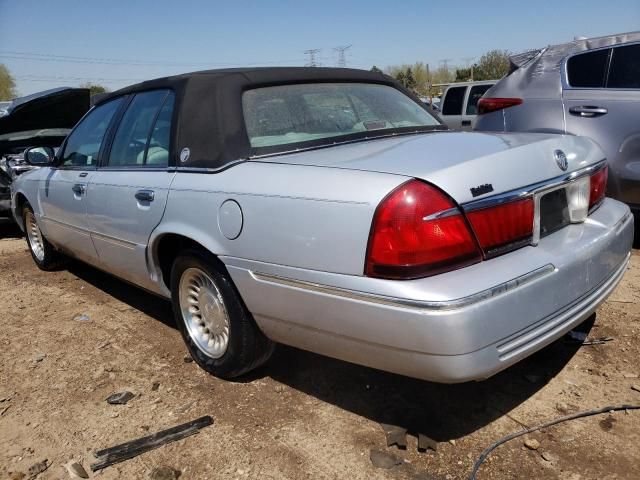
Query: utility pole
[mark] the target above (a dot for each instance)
(312, 52)
(342, 60)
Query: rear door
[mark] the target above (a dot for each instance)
(602, 101)
(452, 105)
(128, 193)
(63, 193)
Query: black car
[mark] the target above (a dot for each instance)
(43, 118)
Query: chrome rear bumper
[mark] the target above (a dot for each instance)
(431, 333)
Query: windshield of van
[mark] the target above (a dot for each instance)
(295, 115)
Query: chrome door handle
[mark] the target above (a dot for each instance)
(145, 195)
(588, 111)
(78, 189)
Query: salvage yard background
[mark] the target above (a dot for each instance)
(301, 416)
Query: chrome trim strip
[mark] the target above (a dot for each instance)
(405, 302)
(113, 240)
(68, 226)
(535, 188)
(178, 168)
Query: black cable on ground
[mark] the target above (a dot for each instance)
(483, 456)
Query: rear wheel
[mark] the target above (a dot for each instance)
(219, 331)
(43, 253)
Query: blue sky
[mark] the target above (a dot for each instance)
(119, 42)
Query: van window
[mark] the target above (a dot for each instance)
(625, 67)
(453, 101)
(474, 95)
(587, 70)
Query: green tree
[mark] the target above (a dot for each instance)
(94, 88)
(401, 77)
(493, 65)
(7, 84)
(463, 74)
(409, 79)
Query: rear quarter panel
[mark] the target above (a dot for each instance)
(302, 216)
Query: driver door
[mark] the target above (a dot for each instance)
(63, 192)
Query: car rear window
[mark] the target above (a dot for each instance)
(625, 67)
(453, 100)
(297, 114)
(588, 70)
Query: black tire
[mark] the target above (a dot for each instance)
(247, 347)
(49, 258)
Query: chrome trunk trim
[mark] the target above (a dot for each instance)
(405, 302)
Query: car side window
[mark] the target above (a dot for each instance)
(157, 154)
(83, 145)
(134, 134)
(625, 67)
(474, 95)
(588, 70)
(453, 101)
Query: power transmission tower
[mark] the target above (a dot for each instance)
(342, 60)
(312, 52)
(445, 63)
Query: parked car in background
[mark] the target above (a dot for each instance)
(431, 102)
(43, 118)
(587, 87)
(458, 108)
(376, 236)
(4, 106)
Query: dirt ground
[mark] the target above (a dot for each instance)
(302, 415)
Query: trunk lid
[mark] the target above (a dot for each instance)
(458, 162)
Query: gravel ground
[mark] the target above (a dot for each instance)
(300, 416)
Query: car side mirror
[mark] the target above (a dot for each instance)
(39, 156)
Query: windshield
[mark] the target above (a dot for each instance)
(294, 114)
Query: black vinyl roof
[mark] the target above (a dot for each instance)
(208, 118)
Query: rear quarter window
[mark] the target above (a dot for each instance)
(625, 67)
(588, 70)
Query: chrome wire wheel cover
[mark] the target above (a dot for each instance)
(204, 312)
(34, 235)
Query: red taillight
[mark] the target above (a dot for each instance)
(488, 105)
(598, 186)
(410, 240)
(503, 226)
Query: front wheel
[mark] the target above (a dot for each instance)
(219, 331)
(46, 257)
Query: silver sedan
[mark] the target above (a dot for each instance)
(328, 210)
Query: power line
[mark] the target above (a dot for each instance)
(312, 52)
(342, 61)
(47, 57)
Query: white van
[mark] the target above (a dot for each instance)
(459, 105)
